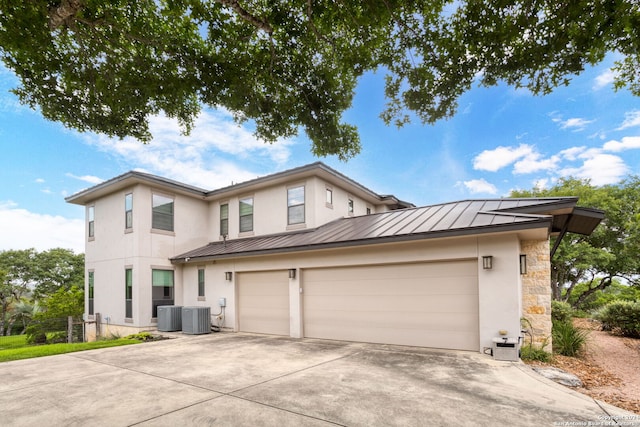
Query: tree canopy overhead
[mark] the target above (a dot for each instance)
(109, 65)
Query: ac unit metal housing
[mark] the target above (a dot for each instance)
(507, 349)
(169, 318)
(196, 320)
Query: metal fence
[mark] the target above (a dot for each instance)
(47, 331)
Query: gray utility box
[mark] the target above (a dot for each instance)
(506, 349)
(169, 318)
(196, 320)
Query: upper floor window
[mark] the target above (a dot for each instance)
(246, 214)
(224, 219)
(350, 206)
(295, 205)
(91, 220)
(368, 210)
(162, 213)
(128, 211)
(329, 196)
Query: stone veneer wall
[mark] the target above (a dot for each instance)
(536, 291)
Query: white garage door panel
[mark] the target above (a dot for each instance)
(263, 302)
(428, 304)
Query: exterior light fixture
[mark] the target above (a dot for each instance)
(523, 264)
(487, 262)
(228, 275)
(292, 273)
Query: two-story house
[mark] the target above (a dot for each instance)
(309, 252)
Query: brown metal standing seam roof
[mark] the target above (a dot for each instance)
(443, 220)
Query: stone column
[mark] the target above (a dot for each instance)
(536, 291)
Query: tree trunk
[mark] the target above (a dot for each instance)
(604, 283)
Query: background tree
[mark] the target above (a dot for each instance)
(18, 268)
(57, 269)
(595, 262)
(109, 65)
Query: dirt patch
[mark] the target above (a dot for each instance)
(609, 368)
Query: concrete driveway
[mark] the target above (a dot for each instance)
(237, 379)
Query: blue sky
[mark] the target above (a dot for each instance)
(501, 139)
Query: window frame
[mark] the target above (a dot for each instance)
(250, 216)
(350, 206)
(224, 220)
(91, 222)
(201, 283)
(128, 292)
(128, 211)
(295, 206)
(158, 216)
(91, 280)
(167, 296)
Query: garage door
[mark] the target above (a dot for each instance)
(426, 304)
(263, 302)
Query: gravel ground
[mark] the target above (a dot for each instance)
(609, 369)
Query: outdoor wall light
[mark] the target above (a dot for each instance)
(523, 264)
(228, 275)
(292, 273)
(487, 262)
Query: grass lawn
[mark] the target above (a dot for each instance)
(16, 347)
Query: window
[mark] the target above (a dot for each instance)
(162, 289)
(90, 292)
(295, 205)
(368, 211)
(91, 220)
(128, 292)
(162, 213)
(224, 219)
(246, 214)
(329, 200)
(201, 282)
(350, 206)
(128, 211)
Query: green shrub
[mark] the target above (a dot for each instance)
(567, 339)
(534, 353)
(622, 317)
(561, 311)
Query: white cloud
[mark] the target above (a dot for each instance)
(572, 153)
(575, 123)
(198, 159)
(627, 143)
(86, 178)
(498, 158)
(480, 186)
(21, 229)
(604, 79)
(535, 163)
(600, 168)
(541, 184)
(40, 181)
(631, 119)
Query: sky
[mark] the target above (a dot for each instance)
(500, 140)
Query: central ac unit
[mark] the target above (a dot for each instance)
(196, 320)
(169, 318)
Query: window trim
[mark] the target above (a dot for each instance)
(328, 201)
(128, 211)
(252, 214)
(173, 213)
(201, 284)
(91, 289)
(225, 219)
(290, 206)
(350, 206)
(128, 292)
(91, 222)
